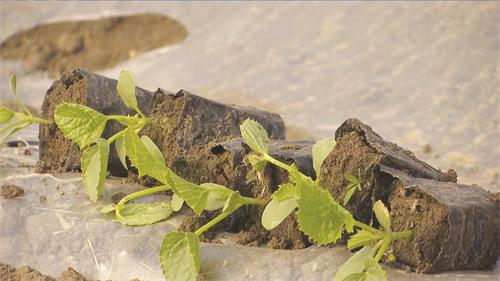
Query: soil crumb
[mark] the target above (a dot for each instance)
(117, 197)
(91, 44)
(25, 273)
(10, 191)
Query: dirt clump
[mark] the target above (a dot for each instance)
(224, 163)
(91, 44)
(361, 151)
(10, 191)
(182, 123)
(454, 226)
(25, 273)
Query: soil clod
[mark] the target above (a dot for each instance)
(10, 191)
(454, 226)
(91, 44)
(360, 150)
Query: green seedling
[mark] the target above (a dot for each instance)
(179, 253)
(24, 116)
(319, 216)
(354, 183)
(84, 126)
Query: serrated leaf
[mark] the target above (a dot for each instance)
(361, 238)
(180, 256)
(285, 191)
(153, 150)
(351, 178)
(108, 208)
(144, 213)
(176, 202)
(79, 123)
(5, 114)
(126, 89)
(141, 157)
(194, 195)
(355, 264)
(94, 168)
(276, 211)
(217, 195)
(348, 195)
(255, 136)
(257, 162)
(121, 151)
(382, 215)
(319, 215)
(320, 150)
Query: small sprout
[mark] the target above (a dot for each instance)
(320, 150)
(354, 183)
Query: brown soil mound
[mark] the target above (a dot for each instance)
(91, 44)
(25, 273)
(10, 191)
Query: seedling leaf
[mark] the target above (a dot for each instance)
(276, 211)
(319, 215)
(348, 195)
(144, 213)
(351, 178)
(121, 151)
(233, 202)
(257, 162)
(382, 215)
(180, 256)
(284, 192)
(153, 150)
(217, 195)
(373, 272)
(194, 195)
(361, 238)
(94, 168)
(255, 136)
(142, 158)
(126, 89)
(80, 123)
(355, 264)
(5, 114)
(176, 202)
(320, 150)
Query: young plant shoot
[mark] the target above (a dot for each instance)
(354, 183)
(24, 116)
(319, 216)
(84, 126)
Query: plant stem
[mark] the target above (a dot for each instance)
(211, 223)
(116, 136)
(140, 194)
(252, 201)
(39, 120)
(277, 162)
(366, 227)
(125, 120)
(385, 245)
(400, 235)
(11, 125)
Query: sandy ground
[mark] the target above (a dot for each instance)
(418, 73)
